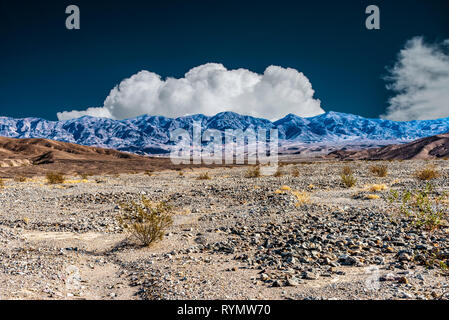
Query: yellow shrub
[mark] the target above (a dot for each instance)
(372, 197)
(377, 187)
(302, 197)
(286, 188)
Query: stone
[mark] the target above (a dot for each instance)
(293, 282)
(310, 276)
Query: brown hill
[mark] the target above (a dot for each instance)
(30, 157)
(30, 148)
(426, 148)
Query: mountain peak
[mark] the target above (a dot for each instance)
(147, 133)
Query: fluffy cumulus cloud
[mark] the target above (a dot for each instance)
(420, 79)
(210, 89)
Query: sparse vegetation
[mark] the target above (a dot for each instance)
(302, 197)
(347, 177)
(377, 187)
(295, 172)
(55, 178)
(278, 173)
(428, 173)
(423, 207)
(348, 180)
(379, 170)
(204, 176)
(347, 170)
(2, 184)
(85, 176)
(253, 172)
(148, 173)
(146, 221)
(20, 179)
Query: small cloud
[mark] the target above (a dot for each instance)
(94, 112)
(210, 89)
(420, 79)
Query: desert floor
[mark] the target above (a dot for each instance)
(304, 237)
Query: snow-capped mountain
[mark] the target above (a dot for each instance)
(151, 134)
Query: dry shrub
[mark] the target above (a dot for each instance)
(428, 173)
(85, 176)
(278, 173)
(348, 180)
(295, 172)
(253, 172)
(204, 176)
(146, 221)
(302, 197)
(347, 170)
(20, 179)
(380, 170)
(377, 187)
(2, 183)
(55, 178)
(424, 207)
(148, 172)
(347, 177)
(181, 173)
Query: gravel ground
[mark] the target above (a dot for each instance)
(233, 237)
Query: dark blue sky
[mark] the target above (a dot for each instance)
(46, 68)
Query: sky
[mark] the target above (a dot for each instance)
(260, 58)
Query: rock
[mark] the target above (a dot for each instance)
(403, 280)
(310, 275)
(404, 255)
(264, 277)
(387, 277)
(293, 282)
(348, 260)
(406, 295)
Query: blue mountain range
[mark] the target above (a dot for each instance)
(151, 134)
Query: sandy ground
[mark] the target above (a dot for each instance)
(232, 238)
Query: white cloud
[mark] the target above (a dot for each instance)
(420, 78)
(210, 89)
(94, 112)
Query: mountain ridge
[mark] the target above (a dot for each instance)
(434, 147)
(149, 134)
